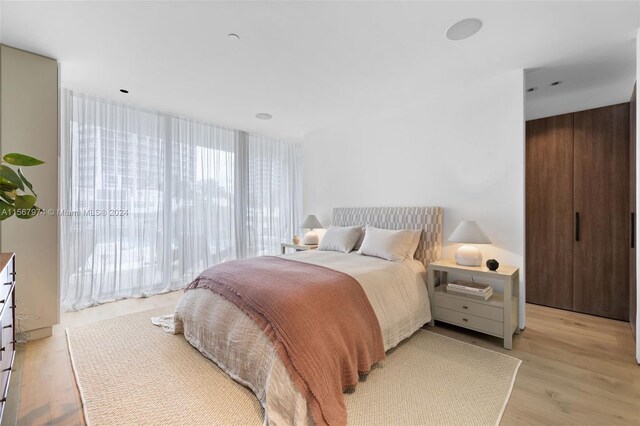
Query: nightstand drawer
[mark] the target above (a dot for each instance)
(473, 322)
(468, 307)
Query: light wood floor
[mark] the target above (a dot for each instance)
(577, 369)
(48, 395)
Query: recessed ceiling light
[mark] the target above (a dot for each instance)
(555, 83)
(464, 29)
(264, 116)
(532, 89)
(233, 36)
(124, 91)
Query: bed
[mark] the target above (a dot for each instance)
(396, 291)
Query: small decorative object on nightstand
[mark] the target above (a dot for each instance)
(311, 222)
(497, 316)
(297, 247)
(468, 232)
(492, 264)
(295, 239)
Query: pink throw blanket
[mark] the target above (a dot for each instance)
(319, 320)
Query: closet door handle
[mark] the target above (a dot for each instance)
(577, 226)
(633, 230)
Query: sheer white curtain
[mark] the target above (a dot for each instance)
(112, 196)
(203, 189)
(272, 175)
(150, 200)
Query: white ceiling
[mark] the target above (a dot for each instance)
(315, 64)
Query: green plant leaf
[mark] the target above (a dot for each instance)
(28, 214)
(26, 182)
(25, 201)
(7, 186)
(6, 197)
(21, 160)
(6, 210)
(9, 175)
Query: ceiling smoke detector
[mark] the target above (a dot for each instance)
(264, 116)
(464, 29)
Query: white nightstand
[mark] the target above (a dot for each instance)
(497, 316)
(297, 247)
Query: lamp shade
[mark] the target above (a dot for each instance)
(311, 222)
(469, 232)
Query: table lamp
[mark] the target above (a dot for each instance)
(311, 222)
(468, 232)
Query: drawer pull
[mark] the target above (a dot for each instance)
(8, 326)
(2, 349)
(465, 307)
(13, 273)
(9, 283)
(465, 320)
(6, 369)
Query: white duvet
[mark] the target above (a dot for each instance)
(223, 333)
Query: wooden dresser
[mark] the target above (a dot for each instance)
(7, 320)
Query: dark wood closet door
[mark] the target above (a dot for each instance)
(632, 208)
(549, 211)
(601, 198)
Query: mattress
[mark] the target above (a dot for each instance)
(397, 292)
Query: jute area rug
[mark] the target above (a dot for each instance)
(130, 372)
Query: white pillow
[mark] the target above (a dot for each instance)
(360, 239)
(387, 244)
(414, 243)
(339, 238)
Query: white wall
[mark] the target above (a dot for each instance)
(29, 103)
(459, 148)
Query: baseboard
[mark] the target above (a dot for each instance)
(38, 333)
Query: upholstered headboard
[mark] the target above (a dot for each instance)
(429, 219)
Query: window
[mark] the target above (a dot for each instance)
(154, 199)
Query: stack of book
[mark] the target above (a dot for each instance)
(467, 288)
